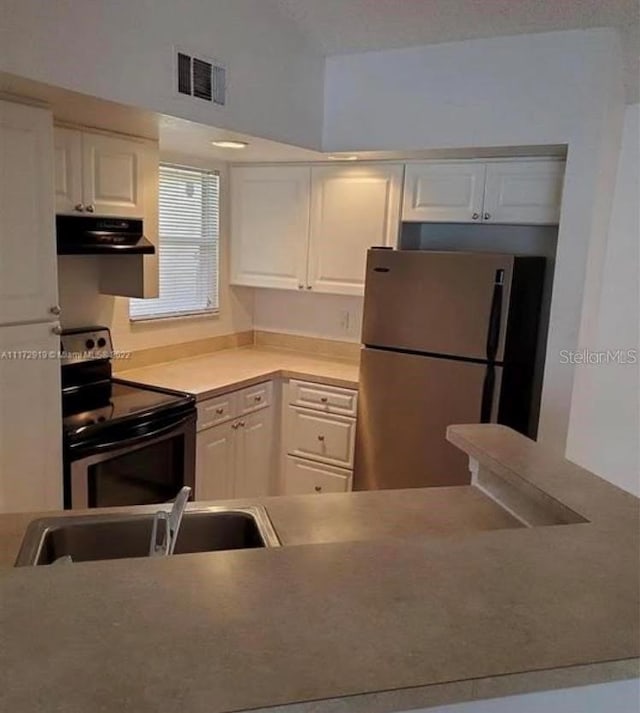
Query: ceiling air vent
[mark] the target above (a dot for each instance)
(201, 78)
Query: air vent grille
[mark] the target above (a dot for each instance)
(201, 78)
(184, 74)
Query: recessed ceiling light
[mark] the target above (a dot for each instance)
(230, 144)
(342, 157)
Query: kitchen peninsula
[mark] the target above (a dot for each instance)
(389, 618)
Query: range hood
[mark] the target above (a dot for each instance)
(90, 235)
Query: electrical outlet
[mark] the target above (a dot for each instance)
(345, 320)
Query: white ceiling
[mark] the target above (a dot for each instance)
(186, 138)
(344, 26)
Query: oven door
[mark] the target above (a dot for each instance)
(141, 470)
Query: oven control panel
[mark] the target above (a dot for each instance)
(86, 344)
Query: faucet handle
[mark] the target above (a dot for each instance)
(175, 515)
(170, 525)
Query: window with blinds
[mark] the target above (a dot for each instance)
(189, 204)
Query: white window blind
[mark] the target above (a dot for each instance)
(189, 203)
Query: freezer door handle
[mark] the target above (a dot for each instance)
(493, 332)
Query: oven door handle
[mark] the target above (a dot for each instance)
(148, 436)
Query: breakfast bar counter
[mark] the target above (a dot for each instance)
(377, 602)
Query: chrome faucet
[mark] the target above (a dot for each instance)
(170, 525)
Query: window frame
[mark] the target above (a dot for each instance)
(195, 313)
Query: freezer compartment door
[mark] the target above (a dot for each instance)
(437, 302)
(406, 402)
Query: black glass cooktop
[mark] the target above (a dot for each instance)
(98, 405)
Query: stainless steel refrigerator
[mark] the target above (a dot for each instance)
(449, 337)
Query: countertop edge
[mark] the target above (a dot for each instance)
(440, 694)
(269, 376)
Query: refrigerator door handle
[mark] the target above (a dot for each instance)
(495, 316)
(488, 389)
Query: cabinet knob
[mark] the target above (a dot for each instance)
(476, 216)
(234, 426)
(79, 207)
(324, 399)
(321, 438)
(301, 287)
(487, 216)
(220, 411)
(57, 329)
(318, 488)
(309, 287)
(257, 398)
(241, 424)
(55, 310)
(91, 208)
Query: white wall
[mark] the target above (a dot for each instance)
(312, 315)
(554, 88)
(605, 430)
(83, 305)
(122, 50)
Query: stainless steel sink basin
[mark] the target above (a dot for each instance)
(103, 537)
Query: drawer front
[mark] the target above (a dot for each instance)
(331, 399)
(253, 398)
(218, 410)
(305, 477)
(322, 437)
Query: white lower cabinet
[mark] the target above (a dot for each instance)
(215, 463)
(235, 446)
(318, 436)
(304, 477)
(239, 444)
(254, 455)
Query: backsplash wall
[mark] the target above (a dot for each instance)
(324, 316)
(83, 305)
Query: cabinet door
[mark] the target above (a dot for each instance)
(67, 170)
(303, 477)
(28, 285)
(269, 226)
(325, 437)
(30, 419)
(352, 209)
(255, 455)
(523, 192)
(215, 462)
(447, 191)
(112, 175)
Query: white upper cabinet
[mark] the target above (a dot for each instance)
(28, 284)
(100, 174)
(269, 226)
(296, 227)
(112, 175)
(523, 192)
(68, 170)
(353, 208)
(447, 191)
(507, 191)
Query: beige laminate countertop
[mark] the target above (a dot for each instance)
(414, 610)
(215, 373)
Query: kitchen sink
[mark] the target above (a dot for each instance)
(87, 538)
